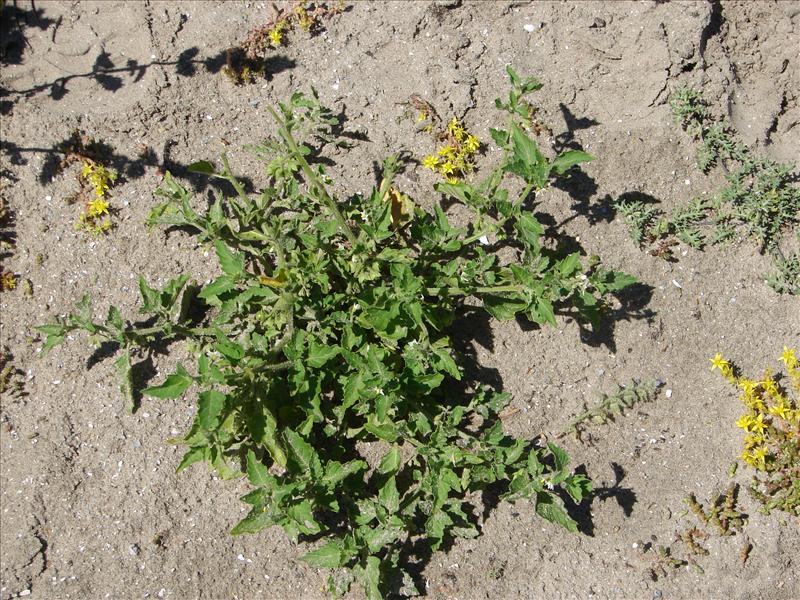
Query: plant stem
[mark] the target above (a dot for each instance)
(497, 289)
(277, 242)
(312, 178)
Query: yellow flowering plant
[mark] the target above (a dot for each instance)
(771, 423)
(96, 218)
(95, 179)
(247, 61)
(454, 160)
(8, 281)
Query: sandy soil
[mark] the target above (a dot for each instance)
(90, 504)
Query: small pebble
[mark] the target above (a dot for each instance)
(668, 393)
(529, 27)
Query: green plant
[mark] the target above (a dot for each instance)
(516, 103)
(786, 278)
(324, 364)
(761, 199)
(661, 561)
(612, 406)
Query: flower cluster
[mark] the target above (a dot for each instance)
(8, 281)
(99, 177)
(306, 15)
(95, 217)
(772, 419)
(454, 160)
(276, 33)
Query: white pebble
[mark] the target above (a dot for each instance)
(529, 27)
(668, 393)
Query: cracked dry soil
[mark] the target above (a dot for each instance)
(90, 505)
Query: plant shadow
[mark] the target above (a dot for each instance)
(13, 23)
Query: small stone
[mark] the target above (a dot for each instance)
(134, 550)
(668, 393)
(529, 27)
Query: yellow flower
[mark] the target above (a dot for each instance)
(757, 425)
(97, 207)
(770, 387)
(745, 456)
(472, 144)
(727, 372)
(781, 410)
(447, 152)
(719, 363)
(759, 456)
(455, 129)
(755, 403)
(754, 440)
(447, 168)
(430, 162)
(748, 386)
(744, 422)
(788, 357)
(275, 36)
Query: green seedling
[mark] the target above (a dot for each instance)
(612, 406)
(761, 199)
